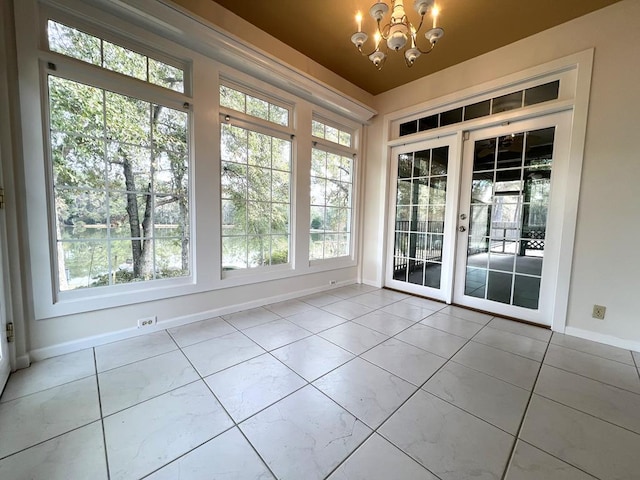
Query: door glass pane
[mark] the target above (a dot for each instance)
(510, 151)
(510, 191)
(420, 213)
(475, 282)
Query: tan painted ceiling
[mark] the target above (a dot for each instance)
(321, 30)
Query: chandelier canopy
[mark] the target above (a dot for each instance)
(399, 34)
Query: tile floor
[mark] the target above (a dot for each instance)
(355, 383)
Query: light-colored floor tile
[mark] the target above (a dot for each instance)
(200, 331)
(377, 459)
(145, 437)
(312, 357)
(590, 396)
(466, 314)
(506, 366)
(595, 446)
(415, 313)
(288, 307)
(530, 463)
(454, 325)
(320, 299)
(511, 342)
(305, 435)
(432, 305)
(40, 416)
(373, 299)
(131, 350)
(393, 294)
(250, 318)
(432, 340)
(49, 373)
(519, 328)
(276, 334)
(367, 391)
(594, 348)
(136, 382)
(493, 400)
(598, 368)
(253, 385)
(352, 290)
(354, 337)
(228, 456)
(448, 441)
(384, 322)
(77, 454)
(406, 361)
(348, 309)
(316, 320)
(216, 354)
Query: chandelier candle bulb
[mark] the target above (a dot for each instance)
(435, 11)
(359, 21)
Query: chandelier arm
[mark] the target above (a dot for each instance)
(419, 26)
(364, 54)
(424, 52)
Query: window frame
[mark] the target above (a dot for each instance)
(266, 128)
(129, 42)
(46, 71)
(51, 301)
(260, 95)
(337, 149)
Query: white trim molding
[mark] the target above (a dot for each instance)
(603, 338)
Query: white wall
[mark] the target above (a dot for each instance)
(606, 264)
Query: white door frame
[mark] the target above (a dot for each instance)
(556, 215)
(576, 70)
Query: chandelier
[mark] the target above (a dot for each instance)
(399, 34)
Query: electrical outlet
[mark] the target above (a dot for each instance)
(599, 312)
(147, 322)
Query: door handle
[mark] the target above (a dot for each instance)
(462, 228)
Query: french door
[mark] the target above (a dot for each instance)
(424, 188)
(500, 251)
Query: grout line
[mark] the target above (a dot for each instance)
(104, 435)
(591, 378)
(46, 389)
(524, 415)
(598, 356)
(558, 458)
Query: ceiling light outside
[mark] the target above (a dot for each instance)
(399, 34)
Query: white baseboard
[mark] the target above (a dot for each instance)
(22, 361)
(603, 338)
(97, 340)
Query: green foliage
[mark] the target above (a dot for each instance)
(120, 166)
(255, 198)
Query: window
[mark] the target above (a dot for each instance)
(331, 205)
(256, 179)
(253, 106)
(532, 96)
(120, 170)
(82, 46)
(330, 133)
